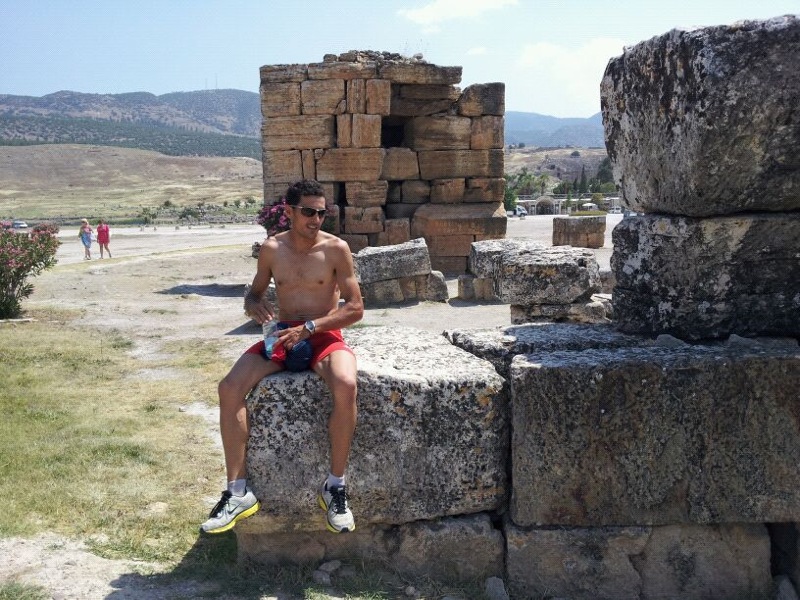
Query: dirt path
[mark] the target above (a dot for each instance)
(164, 284)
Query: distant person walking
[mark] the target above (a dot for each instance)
(85, 233)
(103, 237)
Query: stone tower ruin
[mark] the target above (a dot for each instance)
(401, 151)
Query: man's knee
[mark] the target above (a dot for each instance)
(230, 392)
(344, 387)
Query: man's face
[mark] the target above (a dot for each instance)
(306, 216)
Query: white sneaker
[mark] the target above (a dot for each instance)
(333, 501)
(229, 510)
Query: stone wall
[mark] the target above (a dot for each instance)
(401, 151)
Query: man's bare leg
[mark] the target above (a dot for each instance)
(339, 371)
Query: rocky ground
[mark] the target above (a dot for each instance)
(196, 277)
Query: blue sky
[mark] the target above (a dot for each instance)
(550, 54)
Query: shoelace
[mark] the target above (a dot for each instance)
(339, 499)
(226, 495)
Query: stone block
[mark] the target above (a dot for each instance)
(366, 131)
(356, 96)
(280, 99)
(483, 99)
(579, 232)
(398, 231)
(453, 548)
(274, 191)
(415, 191)
(661, 434)
(379, 96)
(283, 73)
(708, 278)
(344, 131)
(485, 255)
(436, 287)
(429, 92)
(423, 403)
(592, 311)
(487, 132)
(639, 563)
(309, 164)
(382, 293)
(323, 97)
(349, 164)
(451, 245)
(484, 189)
(466, 287)
(356, 242)
(458, 219)
(362, 220)
(556, 275)
(343, 70)
(445, 164)
(449, 265)
(420, 73)
(443, 132)
(702, 122)
(366, 193)
(282, 165)
(447, 191)
(400, 164)
(403, 107)
(391, 262)
(298, 133)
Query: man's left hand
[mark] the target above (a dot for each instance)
(292, 336)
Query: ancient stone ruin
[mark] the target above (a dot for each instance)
(577, 460)
(402, 152)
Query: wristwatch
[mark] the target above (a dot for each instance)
(310, 326)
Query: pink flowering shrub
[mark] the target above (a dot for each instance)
(273, 217)
(23, 255)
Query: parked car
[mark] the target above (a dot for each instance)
(520, 211)
(18, 224)
(615, 210)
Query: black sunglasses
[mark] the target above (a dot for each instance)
(307, 211)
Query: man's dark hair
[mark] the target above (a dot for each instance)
(304, 187)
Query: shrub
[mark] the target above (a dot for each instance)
(24, 255)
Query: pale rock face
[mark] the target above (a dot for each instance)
(392, 262)
(704, 122)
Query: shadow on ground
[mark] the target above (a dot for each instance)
(219, 290)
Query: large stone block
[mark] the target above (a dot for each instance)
(457, 219)
(485, 189)
(453, 548)
(366, 132)
(363, 220)
(487, 132)
(485, 256)
(555, 275)
(323, 97)
(708, 278)
(445, 164)
(280, 99)
(390, 262)
(580, 232)
(366, 193)
(423, 403)
(399, 164)
(483, 99)
(656, 435)
(639, 563)
(420, 73)
(342, 70)
(704, 122)
(349, 164)
(428, 92)
(283, 73)
(281, 166)
(298, 133)
(379, 96)
(594, 310)
(446, 132)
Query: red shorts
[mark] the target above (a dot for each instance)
(322, 344)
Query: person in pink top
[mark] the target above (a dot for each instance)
(103, 237)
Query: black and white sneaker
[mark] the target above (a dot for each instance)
(333, 501)
(230, 510)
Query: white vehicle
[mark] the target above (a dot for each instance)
(615, 210)
(520, 211)
(17, 224)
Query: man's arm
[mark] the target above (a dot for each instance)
(352, 310)
(255, 306)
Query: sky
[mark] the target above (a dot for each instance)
(550, 54)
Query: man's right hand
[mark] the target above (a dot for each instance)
(258, 310)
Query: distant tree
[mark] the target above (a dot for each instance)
(575, 153)
(583, 187)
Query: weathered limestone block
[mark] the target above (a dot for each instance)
(447, 191)
(280, 99)
(283, 73)
(349, 164)
(398, 231)
(323, 97)
(366, 131)
(487, 132)
(379, 96)
(444, 164)
(580, 232)
(607, 281)
(483, 99)
(366, 193)
(450, 265)
(703, 122)
(596, 310)
(282, 165)
(363, 220)
(344, 131)
(656, 435)
(309, 164)
(445, 132)
(405, 107)
(485, 256)
(391, 262)
(342, 70)
(436, 287)
(452, 548)
(399, 164)
(556, 275)
(415, 191)
(423, 403)
(451, 245)
(458, 219)
(298, 133)
(382, 293)
(356, 96)
(500, 346)
(428, 92)
(421, 73)
(273, 192)
(484, 189)
(708, 278)
(639, 563)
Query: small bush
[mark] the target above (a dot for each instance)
(24, 255)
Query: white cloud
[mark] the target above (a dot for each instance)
(445, 10)
(478, 50)
(565, 80)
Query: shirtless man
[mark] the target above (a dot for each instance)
(312, 270)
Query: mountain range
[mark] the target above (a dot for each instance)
(209, 122)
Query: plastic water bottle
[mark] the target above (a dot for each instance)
(270, 329)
